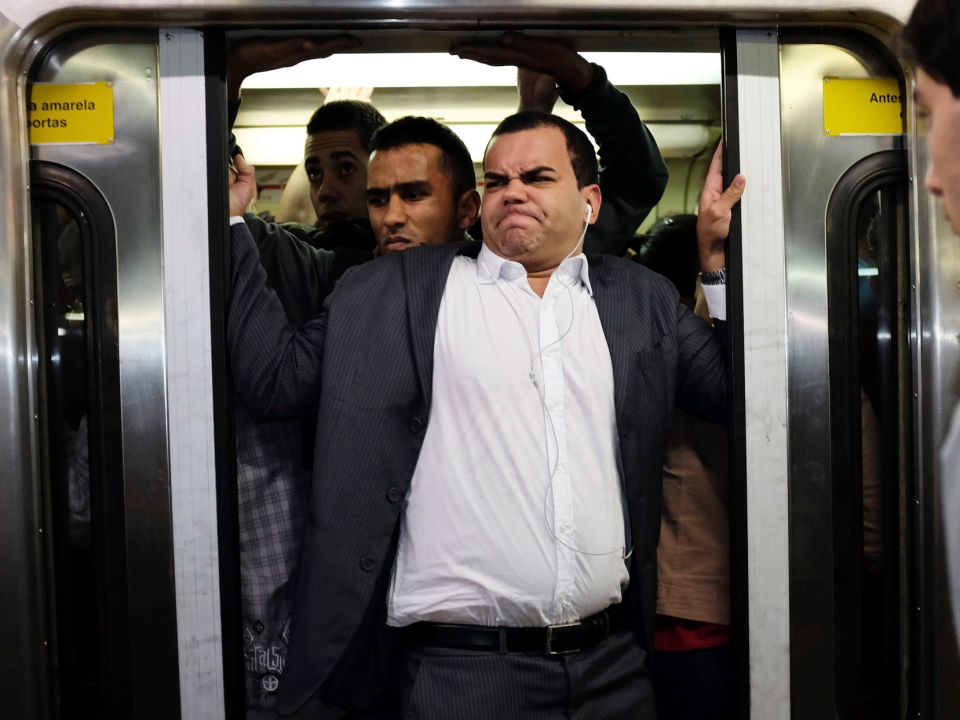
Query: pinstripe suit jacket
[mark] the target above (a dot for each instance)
(371, 351)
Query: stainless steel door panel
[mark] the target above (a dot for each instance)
(23, 662)
(813, 163)
(127, 173)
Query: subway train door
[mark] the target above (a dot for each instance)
(840, 546)
(140, 568)
(830, 300)
(847, 261)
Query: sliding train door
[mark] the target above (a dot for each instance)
(839, 303)
(130, 264)
(852, 486)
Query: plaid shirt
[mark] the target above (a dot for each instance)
(273, 492)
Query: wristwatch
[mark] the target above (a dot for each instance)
(716, 277)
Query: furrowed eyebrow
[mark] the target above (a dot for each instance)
(526, 174)
(340, 154)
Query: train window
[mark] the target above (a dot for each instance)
(867, 298)
(69, 469)
(879, 225)
(77, 331)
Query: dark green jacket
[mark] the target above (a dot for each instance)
(304, 262)
(633, 174)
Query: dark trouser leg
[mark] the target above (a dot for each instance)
(440, 684)
(611, 681)
(694, 685)
(606, 682)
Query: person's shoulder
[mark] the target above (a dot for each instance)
(373, 271)
(299, 230)
(631, 270)
(392, 264)
(344, 233)
(641, 279)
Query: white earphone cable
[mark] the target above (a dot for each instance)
(540, 394)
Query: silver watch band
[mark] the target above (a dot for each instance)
(716, 277)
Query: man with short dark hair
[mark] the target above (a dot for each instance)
(931, 39)
(421, 187)
(337, 144)
(579, 148)
(335, 158)
(631, 170)
(485, 508)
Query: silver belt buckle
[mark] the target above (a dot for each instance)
(550, 629)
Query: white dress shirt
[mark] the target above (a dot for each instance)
(515, 515)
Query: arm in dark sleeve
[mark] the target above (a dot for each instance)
(633, 174)
(301, 275)
(703, 373)
(276, 367)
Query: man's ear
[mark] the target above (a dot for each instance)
(591, 193)
(468, 209)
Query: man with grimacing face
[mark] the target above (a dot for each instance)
(491, 426)
(930, 39)
(534, 196)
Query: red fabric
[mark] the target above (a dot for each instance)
(680, 635)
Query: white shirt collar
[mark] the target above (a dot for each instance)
(491, 266)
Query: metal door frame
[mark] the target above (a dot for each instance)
(18, 374)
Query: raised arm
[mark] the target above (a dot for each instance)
(632, 172)
(715, 210)
(704, 379)
(276, 367)
(703, 375)
(255, 55)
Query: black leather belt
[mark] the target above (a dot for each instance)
(554, 640)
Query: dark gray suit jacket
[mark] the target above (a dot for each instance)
(371, 352)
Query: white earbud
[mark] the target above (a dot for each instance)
(589, 212)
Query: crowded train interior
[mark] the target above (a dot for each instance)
(156, 554)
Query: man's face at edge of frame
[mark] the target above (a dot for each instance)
(938, 102)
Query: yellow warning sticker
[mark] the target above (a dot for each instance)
(74, 113)
(861, 106)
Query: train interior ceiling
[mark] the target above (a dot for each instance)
(673, 81)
